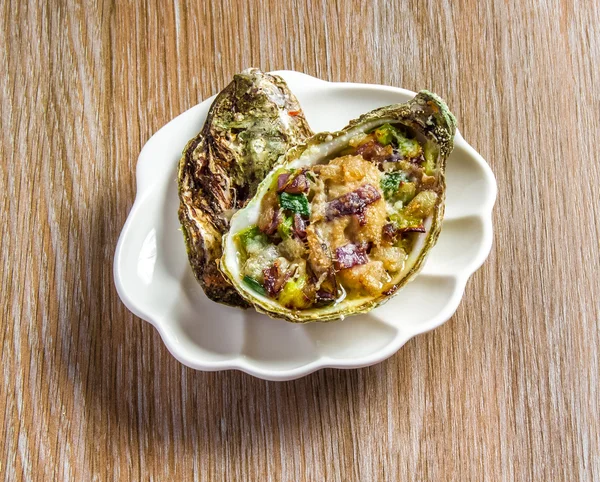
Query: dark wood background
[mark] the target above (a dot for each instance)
(508, 389)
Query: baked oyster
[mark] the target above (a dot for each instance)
(347, 218)
(251, 123)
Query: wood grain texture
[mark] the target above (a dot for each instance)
(508, 389)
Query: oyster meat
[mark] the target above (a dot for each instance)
(251, 123)
(347, 218)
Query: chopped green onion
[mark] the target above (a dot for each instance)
(255, 285)
(385, 134)
(251, 239)
(292, 295)
(408, 148)
(285, 228)
(407, 191)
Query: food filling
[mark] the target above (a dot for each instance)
(344, 228)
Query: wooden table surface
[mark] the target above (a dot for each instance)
(508, 389)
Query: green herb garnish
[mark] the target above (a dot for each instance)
(297, 203)
(390, 182)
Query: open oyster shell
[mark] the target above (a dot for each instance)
(251, 123)
(393, 159)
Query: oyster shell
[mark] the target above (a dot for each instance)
(347, 218)
(252, 122)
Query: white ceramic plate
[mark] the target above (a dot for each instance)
(155, 282)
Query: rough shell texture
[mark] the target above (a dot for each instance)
(251, 123)
(429, 118)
